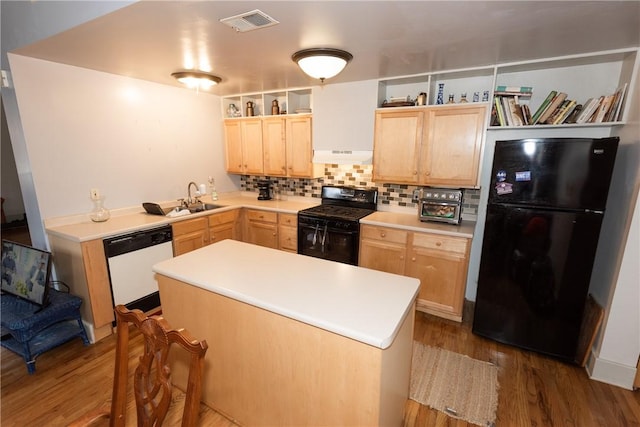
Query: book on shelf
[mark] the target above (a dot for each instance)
(564, 113)
(553, 105)
(514, 89)
(499, 112)
(616, 109)
(506, 108)
(603, 108)
(558, 111)
(574, 114)
(588, 108)
(516, 111)
(536, 116)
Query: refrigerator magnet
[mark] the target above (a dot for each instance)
(523, 176)
(501, 176)
(504, 188)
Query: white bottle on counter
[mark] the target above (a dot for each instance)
(212, 189)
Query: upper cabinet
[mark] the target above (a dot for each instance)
(243, 139)
(438, 146)
(276, 140)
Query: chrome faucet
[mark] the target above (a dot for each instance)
(189, 199)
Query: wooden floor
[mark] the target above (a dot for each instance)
(534, 390)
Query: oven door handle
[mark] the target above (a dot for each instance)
(315, 235)
(324, 237)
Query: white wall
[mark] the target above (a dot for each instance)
(615, 283)
(13, 206)
(134, 140)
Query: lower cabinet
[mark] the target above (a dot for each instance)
(288, 232)
(224, 225)
(440, 262)
(261, 228)
(192, 234)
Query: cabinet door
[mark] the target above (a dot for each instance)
(396, 146)
(441, 265)
(288, 232)
(224, 225)
(261, 228)
(299, 148)
(190, 235)
(273, 145)
(263, 234)
(383, 249)
(452, 145)
(252, 155)
(233, 143)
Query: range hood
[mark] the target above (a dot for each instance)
(343, 157)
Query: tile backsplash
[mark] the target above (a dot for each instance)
(360, 176)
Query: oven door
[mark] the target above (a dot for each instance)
(318, 239)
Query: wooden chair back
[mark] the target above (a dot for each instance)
(152, 378)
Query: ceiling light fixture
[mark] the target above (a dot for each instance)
(196, 79)
(322, 63)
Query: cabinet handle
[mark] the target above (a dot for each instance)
(274, 233)
(383, 234)
(438, 243)
(402, 257)
(415, 172)
(413, 259)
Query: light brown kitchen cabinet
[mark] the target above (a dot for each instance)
(436, 145)
(83, 267)
(440, 262)
(452, 141)
(300, 148)
(261, 228)
(383, 249)
(288, 232)
(224, 225)
(274, 146)
(189, 235)
(243, 140)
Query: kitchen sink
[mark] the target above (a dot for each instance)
(200, 207)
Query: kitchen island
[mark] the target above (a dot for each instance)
(293, 340)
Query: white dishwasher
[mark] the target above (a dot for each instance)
(130, 258)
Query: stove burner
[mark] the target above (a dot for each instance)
(337, 212)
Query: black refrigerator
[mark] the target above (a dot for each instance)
(547, 198)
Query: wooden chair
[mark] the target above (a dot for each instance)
(152, 377)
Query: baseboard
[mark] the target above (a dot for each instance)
(610, 372)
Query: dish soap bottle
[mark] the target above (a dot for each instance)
(212, 188)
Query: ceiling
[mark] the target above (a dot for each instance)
(151, 39)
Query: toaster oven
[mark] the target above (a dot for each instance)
(441, 205)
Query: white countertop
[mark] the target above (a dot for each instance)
(362, 304)
(411, 222)
(80, 228)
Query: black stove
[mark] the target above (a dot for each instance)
(331, 230)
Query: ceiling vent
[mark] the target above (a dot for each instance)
(249, 21)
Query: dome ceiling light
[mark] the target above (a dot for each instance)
(196, 79)
(322, 63)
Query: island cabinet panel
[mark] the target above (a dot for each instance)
(190, 235)
(440, 262)
(261, 228)
(266, 369)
